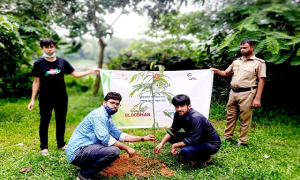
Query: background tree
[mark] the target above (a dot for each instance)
(82, 17)
(15, 67)
(22, 25)
(38, 18)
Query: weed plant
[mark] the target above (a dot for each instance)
(273, 151)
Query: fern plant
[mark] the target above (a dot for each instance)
(153, 83)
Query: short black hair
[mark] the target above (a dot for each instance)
(113, 95)
(47, 42)
(249, 41)
(180, 100)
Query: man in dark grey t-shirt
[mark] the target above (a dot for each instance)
(198, 141)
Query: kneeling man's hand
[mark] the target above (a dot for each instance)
(174, 151)
(131, 152)
(157, 149)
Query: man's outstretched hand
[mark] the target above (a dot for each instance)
(149, 138)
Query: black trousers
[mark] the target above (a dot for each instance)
(199, 152)
(60, 106)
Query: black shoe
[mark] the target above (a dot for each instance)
(81, 177)
(241, 144)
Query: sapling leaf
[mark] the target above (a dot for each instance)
(167, 114)
(156, 85)
(157, 125)
(147, 77)
(164, 76)
(151, 65)
(161, 69)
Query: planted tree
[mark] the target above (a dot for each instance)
(153, 83)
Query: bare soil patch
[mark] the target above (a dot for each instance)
(137, 166)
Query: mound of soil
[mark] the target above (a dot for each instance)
(137, 166)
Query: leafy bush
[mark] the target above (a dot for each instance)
(15, 69)
(82, 84)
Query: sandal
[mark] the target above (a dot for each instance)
(44, 153)
(63, 148)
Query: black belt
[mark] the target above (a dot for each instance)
(243, 89)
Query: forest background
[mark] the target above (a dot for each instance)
(208, 37)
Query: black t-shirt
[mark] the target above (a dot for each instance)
(198, 128)
(51, 75)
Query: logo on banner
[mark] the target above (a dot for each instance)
(120, 76)
(190, 76)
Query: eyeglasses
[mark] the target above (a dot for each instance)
(114, 103)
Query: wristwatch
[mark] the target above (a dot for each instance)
(142, 139)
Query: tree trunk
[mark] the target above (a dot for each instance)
(97, 83)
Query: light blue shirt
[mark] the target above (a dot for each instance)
(96, 128)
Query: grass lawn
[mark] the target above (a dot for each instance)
(273, 151)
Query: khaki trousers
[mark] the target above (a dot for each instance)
(239, 104)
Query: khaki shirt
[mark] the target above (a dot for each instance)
(246, 72)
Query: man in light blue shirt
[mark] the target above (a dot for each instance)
(95, 143)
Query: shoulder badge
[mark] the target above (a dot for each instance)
(261, 60)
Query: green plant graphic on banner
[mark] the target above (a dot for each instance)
(119, 118)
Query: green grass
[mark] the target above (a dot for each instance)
(280, 141)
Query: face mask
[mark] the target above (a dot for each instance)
(49, 56)
(109, 111)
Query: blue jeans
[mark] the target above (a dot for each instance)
(95, 157)
(200, 152)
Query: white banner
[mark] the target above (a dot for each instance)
(197, 84)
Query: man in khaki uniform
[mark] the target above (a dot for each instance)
(249, 73)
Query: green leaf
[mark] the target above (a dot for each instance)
(279, 35)
(157, 126)
(272, 45)
(295, 61)
(283, 58)
(298, 52)
(2, 45)
(227, 41)
(161, 69)
(132, 93)
(132, 78)
(251, 27)
(259, 47)
(167, 114)
(294, 41)
(151, 65)
(147, 77)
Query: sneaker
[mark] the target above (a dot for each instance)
(241, 144)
